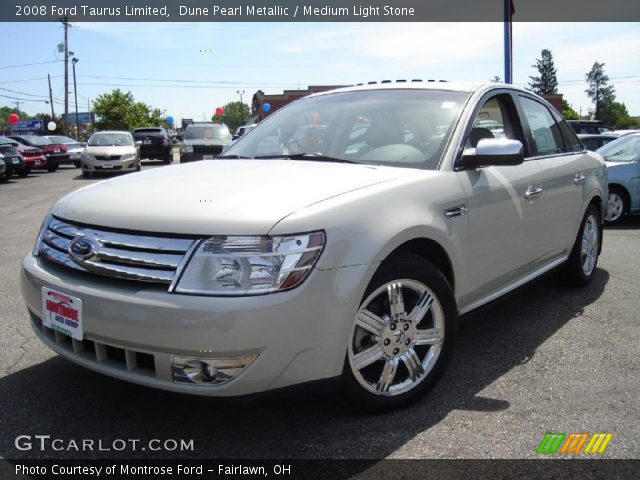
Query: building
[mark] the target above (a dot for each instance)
(278, 101)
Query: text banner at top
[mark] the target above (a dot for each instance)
(319, 10)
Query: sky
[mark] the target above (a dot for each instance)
(189, 69)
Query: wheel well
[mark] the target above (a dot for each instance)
(431, 251)
(597, 202)
(624, 192)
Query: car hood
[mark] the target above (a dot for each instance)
(110, 150)
(235, 197)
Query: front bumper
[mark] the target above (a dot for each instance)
(116, 165)
(298, 336)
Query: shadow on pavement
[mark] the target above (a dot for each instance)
(65, 401)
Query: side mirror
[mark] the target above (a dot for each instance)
(493, 151)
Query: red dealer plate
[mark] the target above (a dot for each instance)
(62, 312)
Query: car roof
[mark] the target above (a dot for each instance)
(113, 131)
(469, 87)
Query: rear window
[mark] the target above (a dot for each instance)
(147, 132)
(207, 131)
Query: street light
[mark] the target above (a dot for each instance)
(241, 93)
(74, 60)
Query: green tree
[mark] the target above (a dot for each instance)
(546, 82)
(234, 114)
(5, 126)
(617, 116)
(119, 111)
(568, 112)
(599, 91)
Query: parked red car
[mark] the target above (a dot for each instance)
(56, 153)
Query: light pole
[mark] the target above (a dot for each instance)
(74, 60)
(241, 93)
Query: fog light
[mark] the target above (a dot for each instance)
(208, 371)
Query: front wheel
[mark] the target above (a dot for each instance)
(24, 172)
(52, 167)
(76, 164)
(401, 336)
(616, 206)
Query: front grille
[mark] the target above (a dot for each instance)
(140, 257)
(107, 158)
(207, 150)
(133, 361)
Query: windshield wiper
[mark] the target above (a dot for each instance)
(234, 157)
(317, 157)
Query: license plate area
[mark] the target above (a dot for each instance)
(207, 157)
(62, 312)
(107, 165)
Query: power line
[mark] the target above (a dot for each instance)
(28, 64)
(212, 82)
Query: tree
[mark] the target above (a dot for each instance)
(568, 112)
(5, 126)
(599, 91)
(119, 111)
(234, 114)
(546, 82)
(617, 116)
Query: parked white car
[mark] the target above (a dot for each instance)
(110, 151)
(272, 266)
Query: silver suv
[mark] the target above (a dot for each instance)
(342, 238)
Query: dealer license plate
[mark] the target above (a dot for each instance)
(107, 165)
(38, 163)
(56, 150)
(207, 157)
(15, 160)
(147, 142)
(62, 312)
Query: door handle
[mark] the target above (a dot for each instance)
(533, 193)
(579, 179)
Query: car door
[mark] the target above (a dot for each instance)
(505, 221)
(561, 157)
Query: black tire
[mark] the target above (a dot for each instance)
(87, 174)
(167, 158)
(76, 164)
(442, 312)
(24, 172)
(138, 167)
(52, 167)
(576, 271)
(615, 215)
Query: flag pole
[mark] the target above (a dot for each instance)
(508, 44)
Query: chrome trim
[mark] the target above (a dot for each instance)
(144, 257)
(512, 286)
(579, 178)
(186, 258)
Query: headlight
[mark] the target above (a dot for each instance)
(43, 229)
(230, 265)
(128, 156)
(186, 148)
(87, 156)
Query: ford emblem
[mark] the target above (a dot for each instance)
(82, 248)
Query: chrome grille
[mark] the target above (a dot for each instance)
(207, 150)
(107, 157)
(141, 257)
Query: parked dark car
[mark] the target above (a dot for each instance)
(156, 143)
(204, 141)
(56, 152)
(589, 126)
(14, 163)
(74, 147)
(593, 142)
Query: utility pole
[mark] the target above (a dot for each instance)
(18, 106)
(74, 60)
(65, 22)
(53, 115)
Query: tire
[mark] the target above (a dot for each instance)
(76, 164)
(385, 369)
(168, 158)
(617, 206)
(86, 174)
(24, 172)
(581, 264)
(52, 167)
(138, 167)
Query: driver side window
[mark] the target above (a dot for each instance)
(496, 119)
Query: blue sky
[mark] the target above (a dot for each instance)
(189, 69)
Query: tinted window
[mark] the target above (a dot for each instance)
(147, 132)
(545, 132)
(571, 140)
(206, 131)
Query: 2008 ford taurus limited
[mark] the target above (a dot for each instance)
(342, 237)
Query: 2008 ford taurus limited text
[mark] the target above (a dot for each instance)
(342, 237)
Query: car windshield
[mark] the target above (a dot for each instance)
(110, 140)
(207, 131)
(624, 149)
(141, 133)
(61, 139)
(33, 140)
(399, 127)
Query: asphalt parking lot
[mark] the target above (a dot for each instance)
(547, 358)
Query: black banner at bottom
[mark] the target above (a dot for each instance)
(84, 469)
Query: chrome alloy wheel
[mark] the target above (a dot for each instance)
(589, 247)
(397, 337)
(615, 207)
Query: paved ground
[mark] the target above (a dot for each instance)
(547, 358)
